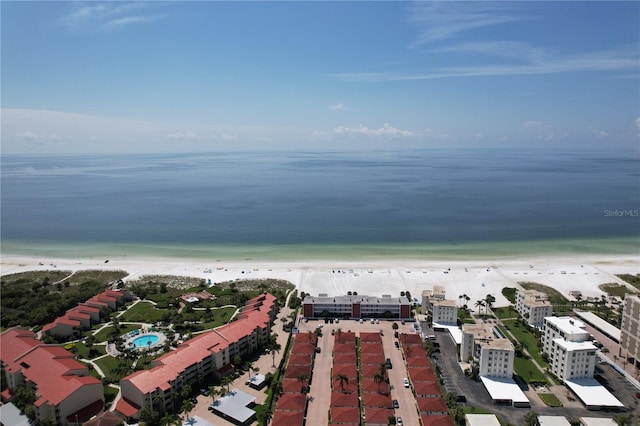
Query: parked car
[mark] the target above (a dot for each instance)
(395, 404)
(405, 382)
(389, 365)
(399, 421)
(397, 344)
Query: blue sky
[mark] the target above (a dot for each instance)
(203, 76)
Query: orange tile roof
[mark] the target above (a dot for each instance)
(344, 348)
(126, 408)
(294, 371)
(421, 374)
(426, 388)
(371, 358)
(340, 399)
(346, 415)
(345, 358)
(371, 348)
(292, 402)
(287, 418)
(349, 370)
(50, 367)
(432, 405)
(291, 385)
(437, 420)
(299, 359)
(370, 337)
(419, 362)
(171, 365)
(377, 416)
(373, 399)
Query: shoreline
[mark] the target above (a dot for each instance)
(371, 276)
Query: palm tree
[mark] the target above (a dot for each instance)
(383, 370)
(166, 419)
(378, 378)
(267, 416)
(489, 301)
(274, 346)
(187, 406)
(466, 300)
(226, 382)
(213, 392)
(479, 304)
(302, 378)
(343, 379)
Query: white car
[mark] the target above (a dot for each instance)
(405, 382)
(399, 421)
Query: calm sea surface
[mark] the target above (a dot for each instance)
(429, 201)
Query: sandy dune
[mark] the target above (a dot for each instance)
(373, 277)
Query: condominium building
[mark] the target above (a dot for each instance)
(64, 390)
(444, 312)
(353, 307)
(488, 348)
(533, 306)
(82, 316)
(569, 347)
(207, 353)
(630, 330)
(436, 293)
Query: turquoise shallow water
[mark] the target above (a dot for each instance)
(283, 252)
(144, 341)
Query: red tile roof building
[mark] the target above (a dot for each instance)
(202, 355)
(81, 317)
(63, 387)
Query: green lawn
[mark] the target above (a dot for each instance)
(220, 316)
(82, 351)
(528, 340)
(507, 312)
(550, 399)
(143, 312)
(107, 364)
(615, 289)
(124, 328)
(527, 370)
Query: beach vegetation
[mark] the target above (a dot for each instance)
(33, 298)
(143, 312)
(525, 337)
(615, 289)
(510, 294)
(555, 297)
(634, 280)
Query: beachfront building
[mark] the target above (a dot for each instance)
(569, 347)
(485, 345)
(444, 312)
(436, 293)
(354, 307)
(533, 306)
(82, 316)
(630, 330)
(64, 390)
(213, 351)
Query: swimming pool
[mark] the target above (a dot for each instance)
(144, 341)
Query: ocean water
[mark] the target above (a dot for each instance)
(374, 203)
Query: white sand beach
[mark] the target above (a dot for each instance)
(372, 277)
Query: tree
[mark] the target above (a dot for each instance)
(394, 326)
(489, 301)
(302, 378)
(339, 333)
(343, 379)
(531, 419)
(378, 378)
(186, 407)
(226, 381)
(479, 304)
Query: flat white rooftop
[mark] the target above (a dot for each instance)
(567, 324)
(481, 420)
(553, 421)
(600, 324)
(504, 389)
(454, 331)
(597, 421)
(592, 393)
(234, 404)
(575, 346)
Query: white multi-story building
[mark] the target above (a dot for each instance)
(630, 330)
(356, 306)
(489, 348)
(534, 306)
(437, 293)
(569, 346)
(444, 312)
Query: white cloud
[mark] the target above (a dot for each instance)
(186, 137)
(538, 130)
(112, 15)
(385, 130)
(28, 136)
(338, 107)
(602, 134)
(479, 136)
(437, 21)
(620, 59)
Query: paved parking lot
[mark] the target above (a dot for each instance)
(320, 393)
